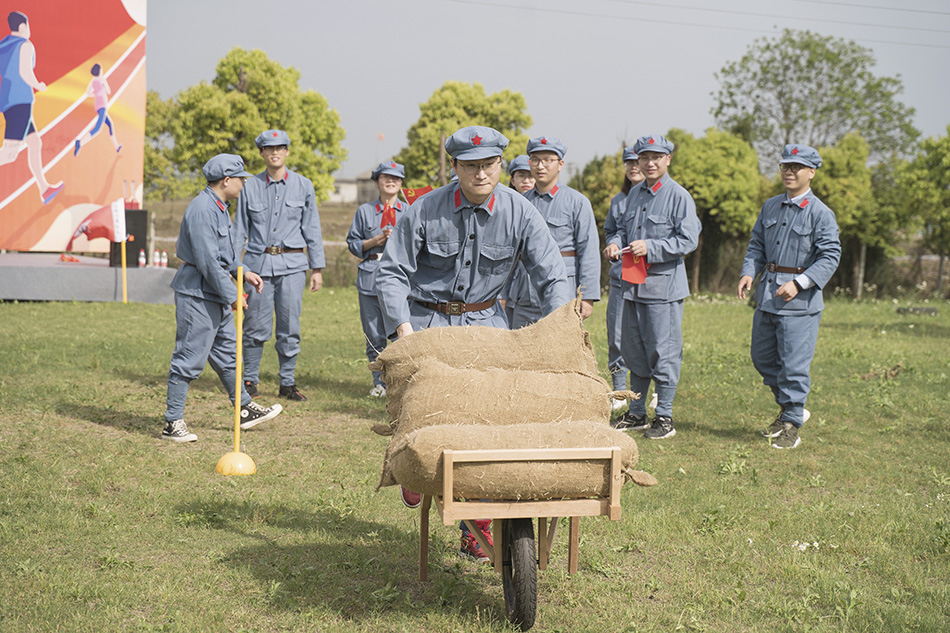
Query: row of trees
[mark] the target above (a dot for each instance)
(885, 188)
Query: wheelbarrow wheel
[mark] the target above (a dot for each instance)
(519, 575)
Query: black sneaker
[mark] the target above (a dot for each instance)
(632, 422)
(177, 431)
(661, 428)
(253, 414)
(290, 392)
(251, 388)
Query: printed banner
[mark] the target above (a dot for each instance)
(72, 95)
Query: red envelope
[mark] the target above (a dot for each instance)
(634, 268)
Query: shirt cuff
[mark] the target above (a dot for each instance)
(804, 281)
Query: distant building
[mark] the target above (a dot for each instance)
(344, 191)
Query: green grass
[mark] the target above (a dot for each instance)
(103, 527)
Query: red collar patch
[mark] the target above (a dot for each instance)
(458, 198)
(656, 187)
(553, 191)
(476, 140)
(220, 205)
(804, 203)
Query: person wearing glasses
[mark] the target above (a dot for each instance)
(277, 216)
(372, 225)
(570, 219)
(660, 225)
(519, 172)
(205, 294)
(618, 371)
(452, 252)
(796, 249)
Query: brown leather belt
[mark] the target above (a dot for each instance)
(457, 307)
(772, 267)
(277, 250)
(370, 258)
(568, 253)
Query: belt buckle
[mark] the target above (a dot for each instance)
(454, 308)
(771, 267)
(273, 250)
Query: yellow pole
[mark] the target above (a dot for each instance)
(238, 371)
(236, 462)
(125, 287)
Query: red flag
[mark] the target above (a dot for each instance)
(412, 194)
(389, 217)
(634, 268)
(99, 223)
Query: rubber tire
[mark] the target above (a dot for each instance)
(519, 574)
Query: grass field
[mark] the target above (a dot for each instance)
(103, 527)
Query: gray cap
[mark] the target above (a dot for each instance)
(272, 137)
(801, 154)
(519, 163)
(629, 154)
(475, 142)
(392, 168)
(656, 143)
(224, 166)
(547, 144)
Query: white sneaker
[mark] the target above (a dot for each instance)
(177, 431)
(378, 391)
(617, 405)
(805, 415)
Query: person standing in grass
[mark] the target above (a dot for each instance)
(372, 225)
(660, 225)
(277, 216)
(205, 294)
(796, 249)
(449, 257)
(570, 219)
(619, 371)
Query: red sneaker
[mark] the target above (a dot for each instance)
(485, 527)
(410, 498)
(472, 549)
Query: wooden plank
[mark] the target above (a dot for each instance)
(572, 547)
(424, 538)
(530, 454)
(616, 482)
(496, 527)
(477, 533)
(448, 484)
(459, 510)
(542, 544)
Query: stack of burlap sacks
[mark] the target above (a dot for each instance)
(473, 387)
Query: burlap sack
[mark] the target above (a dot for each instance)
(558, 342)
(417, 461)
(438, 394)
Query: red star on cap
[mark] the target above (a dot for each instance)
(794, 151)
(393, 165)
(544, 141)
(476, 140)
(650, 141)
(275, 134)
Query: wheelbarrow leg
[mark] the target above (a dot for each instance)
(424, 538)
(572, 548)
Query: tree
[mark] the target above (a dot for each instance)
(721, 172)
(455, 105)
(161, 180)
(803, 87)
(251, 93)
(844, 183)
(925, 186)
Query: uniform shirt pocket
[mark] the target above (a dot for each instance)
(657, 285)
(495, 260)
(442, 255)
(803, 240)
(657, 225)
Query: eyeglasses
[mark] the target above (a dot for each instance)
(537, 160)
(473, 169)
(655, 158)
(792, 167)
(274, 148)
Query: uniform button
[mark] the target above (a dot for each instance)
(777, 243)
(468, 263)
(784, 223)
(472, 236)
(461, 287)
(771, 280)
